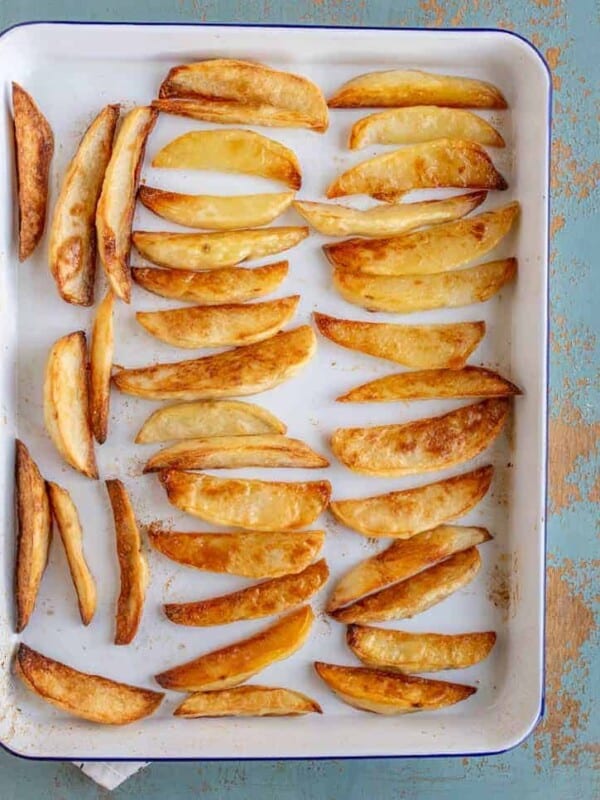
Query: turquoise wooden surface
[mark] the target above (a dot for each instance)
(560, 760)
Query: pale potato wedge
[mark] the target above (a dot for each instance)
(251, 504)
(101, 358)
(250, 555)
(247, 701)
(231, 90)
(197, 420)
(216, 287)
(431, 165)
(227, 112)
(66, 403)
(230, 452)
(413, 87)
(432, 384)
(34, 142)
(132, 564)
(257, 601)
(389, 693)
(213, 211)
(332, 219)
(71, 534)
(232, 151)
(72, 250)
(402, 560)
(219, 326)
(114, 212)
(34, 533)
(243, 371)
(406, 294)
(414, 595)
(400, 651)
(415, 346)
(90, 697)
(403, 514)
(232, 665)
(422, 124)
(432, 250)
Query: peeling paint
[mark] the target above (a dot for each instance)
(573, 441)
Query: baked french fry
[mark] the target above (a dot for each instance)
(247, 701)
(101, 358)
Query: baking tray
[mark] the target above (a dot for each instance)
(74, 69)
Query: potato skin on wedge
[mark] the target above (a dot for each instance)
(101, 358)
(247, 701)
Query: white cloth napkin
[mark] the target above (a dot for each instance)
(110, 774)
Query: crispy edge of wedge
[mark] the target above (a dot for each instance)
(247, 701)
(101, 358)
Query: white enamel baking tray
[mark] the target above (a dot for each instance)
(72, 70)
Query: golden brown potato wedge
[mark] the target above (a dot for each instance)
(71, 534)
(232, 665)
(197, 420)
(216, 287)
(232, 151)
(66, 403)
(431, 165)
(422, 124)
(400, 651)
(81, 694)
(247, 701)
(332, 219)
(219, 326)
(415, 346)
(114, 213)
(251, 555)
(417, 594)
(72, 254)
(405, 513)
(261, 600)
(405, 294)
(251, 504)
(243, 371)
(132, 564)
(402, 560)
(34, 143)
(389, 693)
(101, 358)
(33, 536)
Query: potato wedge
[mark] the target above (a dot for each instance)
(251, 504)
(261, 600)
(332, 219)
(422, 124)
(247, 701)
(231, 90)
(232, 151)
(214, 288)
(230, 452)
(246, 370)
(34, 143)
(415, 346)
(33, 536)
(388, 693)
(72, 252)
(232, 665)
(219, 418)
(132, 564)
(431, 165)
(402, 560)
(66, 403)
(200, 251)
(219, 326)
(87, 696)
(400, 651)
(101, 358)
(114, 212)
(405, 513)
(406, 294)
(250, 555)
(413, 87)
(414, 595)
(432, 250)
(71, 534)
(213, 211)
